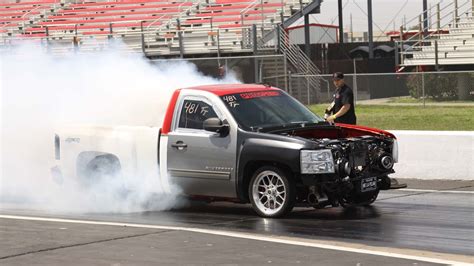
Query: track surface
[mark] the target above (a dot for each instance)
(432, 221)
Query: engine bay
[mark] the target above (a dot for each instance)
(361, 156)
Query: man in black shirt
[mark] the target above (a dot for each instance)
(341, 109)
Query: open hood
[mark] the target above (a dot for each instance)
(336, 131)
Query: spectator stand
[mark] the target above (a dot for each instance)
(155, 27)
(448, 41)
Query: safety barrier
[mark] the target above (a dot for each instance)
(435, 154)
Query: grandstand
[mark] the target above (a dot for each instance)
(156, 27)
(170, 28)
(449, 44)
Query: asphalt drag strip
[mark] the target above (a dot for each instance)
(35, 242)
(420, 225)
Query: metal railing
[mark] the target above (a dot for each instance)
(446, 17)
(177, 16)
(244, 11)
(298, 59)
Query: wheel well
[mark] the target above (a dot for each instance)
(86, 159)
(252, 166)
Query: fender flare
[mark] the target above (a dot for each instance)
(255, 152)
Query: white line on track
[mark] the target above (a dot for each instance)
(273, 239)
(432, 133)
(436, 191)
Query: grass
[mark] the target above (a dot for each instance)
(412, 117)
(408, 99)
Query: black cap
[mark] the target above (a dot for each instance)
(338, 76)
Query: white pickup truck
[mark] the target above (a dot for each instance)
(241, 143)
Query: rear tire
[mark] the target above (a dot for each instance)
(105, 172)
(102, 166)
(272, 193)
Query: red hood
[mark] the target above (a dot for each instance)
(355, 130)
(340, 131)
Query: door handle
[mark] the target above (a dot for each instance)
(179, 145)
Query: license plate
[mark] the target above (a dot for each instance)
(368, 184)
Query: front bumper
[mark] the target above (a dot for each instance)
(383, 182)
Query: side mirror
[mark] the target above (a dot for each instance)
(216, 125)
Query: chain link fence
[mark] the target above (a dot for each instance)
(276, 71)
(437, 86)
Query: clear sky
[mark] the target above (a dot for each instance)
(385, 12)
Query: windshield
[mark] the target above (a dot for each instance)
(268, 109)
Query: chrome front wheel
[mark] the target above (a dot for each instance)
(272, 194)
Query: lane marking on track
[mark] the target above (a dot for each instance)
(436, 191)
(273, 239)
(432, 133)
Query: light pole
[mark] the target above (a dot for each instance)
(341, 27)
(425, 17)
(371, 33)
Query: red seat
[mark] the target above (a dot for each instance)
(237, 19)
(43, 2)
(88, 27)
(26, 9)
(196, 21)
(35, 29)
(259, 11)
(218, 14)
(95, 32)
(111, 14)
(94, 21)
(233, 1)
(19, 14)
(225, 7)
(227, 26)
(5, 20)
(231, 13)
(9, 25)
(116, 3)
(223, 19)
(34, 35)
(67, 28)
(243, 6)
(129, 8)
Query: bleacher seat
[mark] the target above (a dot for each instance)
(456, 47)
(201, 22)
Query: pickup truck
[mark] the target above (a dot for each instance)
(244, 143)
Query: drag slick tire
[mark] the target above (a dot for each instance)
(102, 166)
(271, 191)
(355, 199)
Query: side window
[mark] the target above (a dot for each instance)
(193, 114)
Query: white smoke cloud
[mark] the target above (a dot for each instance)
(40, 92)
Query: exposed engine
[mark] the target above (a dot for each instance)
(361, 165)
(361, 156)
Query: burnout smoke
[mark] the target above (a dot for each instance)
(41, 92)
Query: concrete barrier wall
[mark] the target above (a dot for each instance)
(435, 154)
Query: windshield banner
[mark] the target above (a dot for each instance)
(258, 94)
